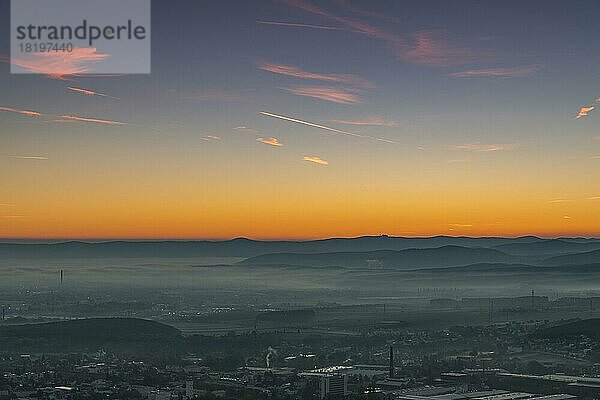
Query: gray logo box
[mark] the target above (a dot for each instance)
(80, 37)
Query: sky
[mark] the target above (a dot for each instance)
(299, 119)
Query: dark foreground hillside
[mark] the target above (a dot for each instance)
(587, 327)
(115, 334)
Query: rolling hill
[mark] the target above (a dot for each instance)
(445, 256)
(590, 257)
(552, 247)
(588, 327)
(92, 330)
(240, 247)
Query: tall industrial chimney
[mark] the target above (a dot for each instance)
(391, 361)
(61, 276)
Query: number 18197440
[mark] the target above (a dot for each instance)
(45, 47)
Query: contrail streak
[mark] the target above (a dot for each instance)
(94, 120)
(90, 92)
(29, 157)
(24, 112)
(299, 121)
(297, 25)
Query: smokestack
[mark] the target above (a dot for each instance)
(61, 276)
(391, 361)
(268, 359)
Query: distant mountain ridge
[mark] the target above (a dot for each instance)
(445, 256)
(548, 247)
(529, 246)
(589, 257)
(240, 247)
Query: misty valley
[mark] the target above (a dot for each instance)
(279, 319)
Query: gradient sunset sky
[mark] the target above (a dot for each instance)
(304, 119)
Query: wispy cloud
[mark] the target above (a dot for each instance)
(584, 112)
(347, 6)
(514, 72)
(554, 201)
(14, 216)
(42, 158)
(6, 205)
(460, 225)
(332, 94)
(431, 48)
(92, 120)
(89, 92)
(352, 24)
(270, 140)
(338, 131)
(485, 147)
(59, 64)
(244, 128)
(316, 160)
(299, 25)
(571, 200)
(210, 138)
(23, 112)
(438, 49)
(215, 95)
(292, 71)
(370, 121)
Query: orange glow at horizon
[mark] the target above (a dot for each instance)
(293, 216)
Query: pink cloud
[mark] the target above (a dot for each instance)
(515, 72)
(23, 112)
(93, 120)
(289, 70)
(584, 112)
(431, 48)
(352, 24)
(437, 49)
(335, 95)
(270, 141)
(58, 64)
